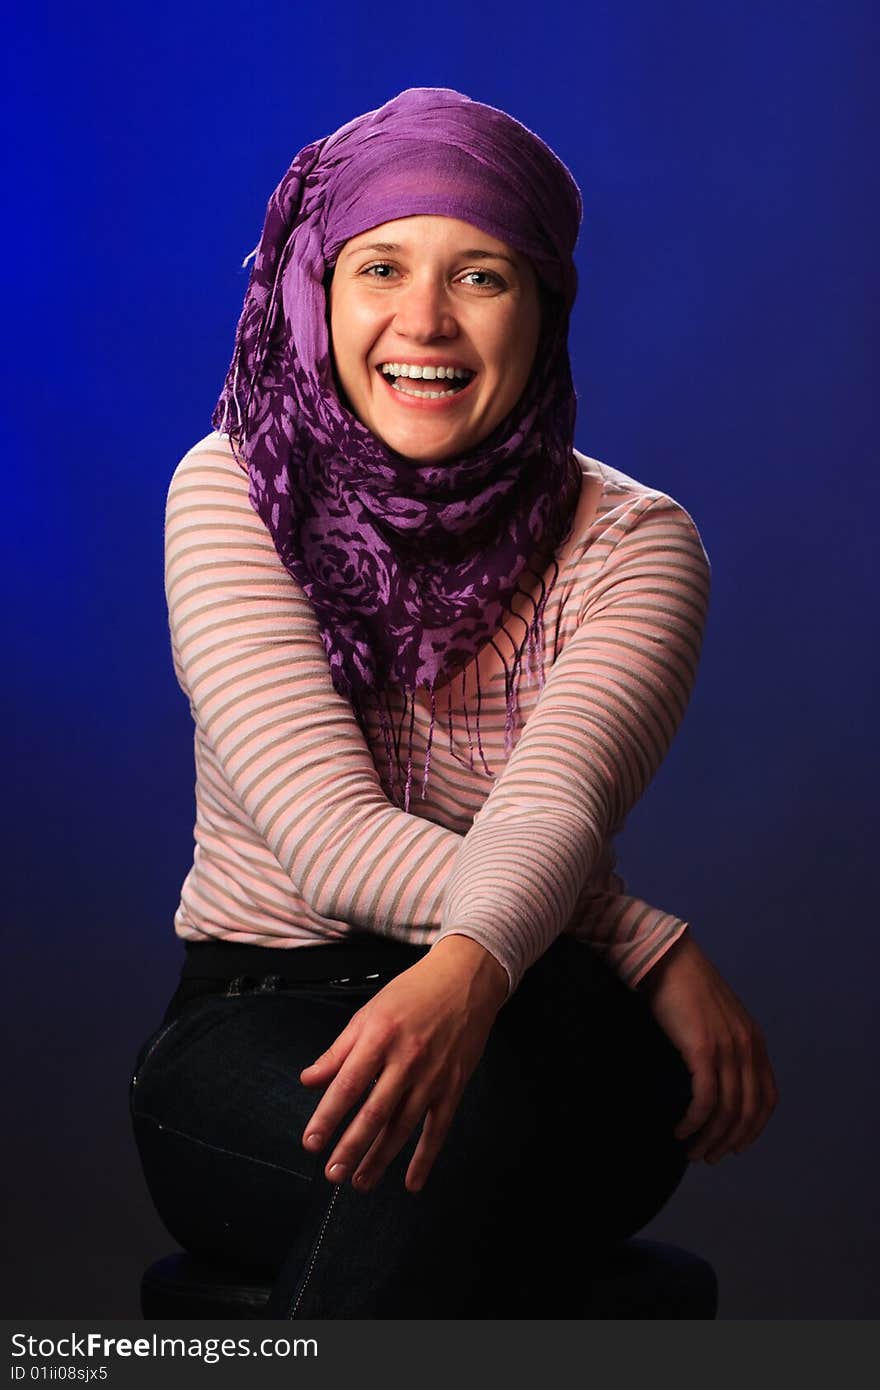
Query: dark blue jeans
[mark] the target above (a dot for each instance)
(561, 1145)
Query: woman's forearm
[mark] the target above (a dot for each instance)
(603, 724)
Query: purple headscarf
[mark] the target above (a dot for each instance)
(410, 567)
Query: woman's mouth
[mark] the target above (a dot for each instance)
(445, 381)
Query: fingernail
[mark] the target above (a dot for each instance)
(361, 1181)
(312, 1141)
(337, 1171)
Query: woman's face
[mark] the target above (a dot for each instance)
(434, 327)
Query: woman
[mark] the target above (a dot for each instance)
(433, 656)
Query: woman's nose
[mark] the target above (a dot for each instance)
(423, 312)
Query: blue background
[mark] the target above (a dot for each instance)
(721, 348)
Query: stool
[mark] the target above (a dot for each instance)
(638, 1279)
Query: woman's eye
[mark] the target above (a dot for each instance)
(480, 279)
(489, 279)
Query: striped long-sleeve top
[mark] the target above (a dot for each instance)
(296, 839)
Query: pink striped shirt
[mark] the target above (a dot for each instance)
(296, 842)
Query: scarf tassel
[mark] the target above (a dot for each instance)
(528, 660)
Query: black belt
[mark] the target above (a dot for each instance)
(358, 956)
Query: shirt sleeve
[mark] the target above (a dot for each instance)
(611, 705)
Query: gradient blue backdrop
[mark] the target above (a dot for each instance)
(721, 353)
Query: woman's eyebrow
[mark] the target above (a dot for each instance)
(383, 246)
(389, 247)
(476, 254)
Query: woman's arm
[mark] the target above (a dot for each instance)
(607, 715)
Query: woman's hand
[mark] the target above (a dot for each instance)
(734, 1090)
(420, 1037)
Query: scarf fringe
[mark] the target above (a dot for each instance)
(398, 730)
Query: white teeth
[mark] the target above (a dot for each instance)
(423, 395)
(415, 372)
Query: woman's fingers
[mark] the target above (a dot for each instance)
(391, 1109)
(387, 1144)
(749, 1108)
(380, 1129)
(320, 1072)
(387, 1118)
(418, 1039)
(434, 1132)
(352, 1080)
(733, 1099)
(767, 1093)
(437, 1111)
(758, 1093)
(710, 1142)
(704, 1092)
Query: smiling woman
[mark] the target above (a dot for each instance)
(434, 656)
(444, 286)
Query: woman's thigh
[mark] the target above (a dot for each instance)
(218, 1113)
(562, 1142)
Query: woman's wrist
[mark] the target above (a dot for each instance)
(475, 962)
(682, 948)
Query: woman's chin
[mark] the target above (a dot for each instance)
(417, 449)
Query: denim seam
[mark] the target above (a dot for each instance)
(315, 1252)
(216, 1148)
(160, 1036)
